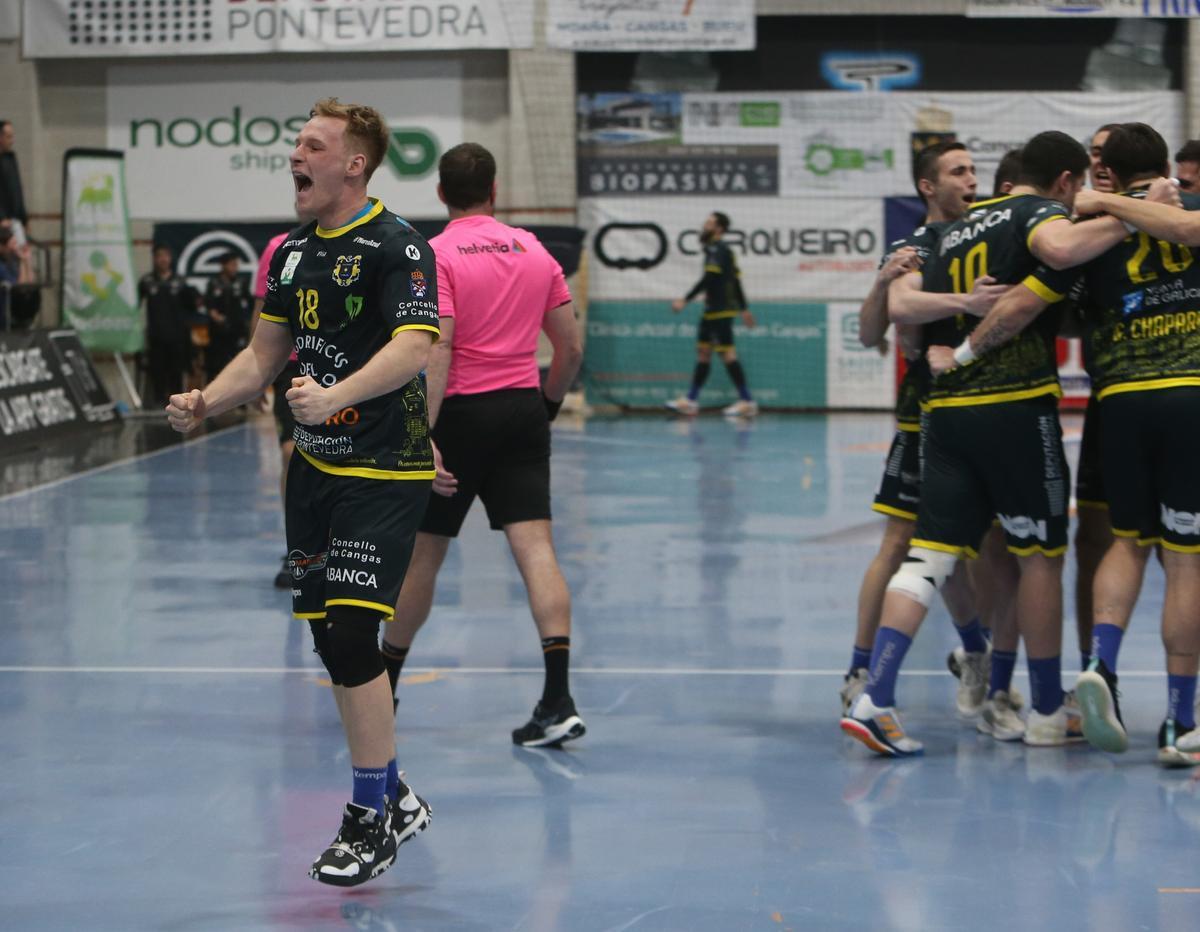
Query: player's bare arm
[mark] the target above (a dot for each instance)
(245, 378)
(873, 314)
(1159, 214)
(1010, 315)
(562, 329)
(908, 304)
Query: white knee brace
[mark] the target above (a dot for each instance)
(922, 574)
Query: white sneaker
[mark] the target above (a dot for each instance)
(853, 685)
(1000, 720)
(879, 729)
(684, 405)
(1060, 727)
(742, 409)
(974, 669)
(1178, 746)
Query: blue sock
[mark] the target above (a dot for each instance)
(1106, 644)
(393, 779)
(860, 658)
(886, 657)
(1085, 660)
(370, 783)
(1045, 682)
(1181, 699)
(1003, 664)
(971, 635)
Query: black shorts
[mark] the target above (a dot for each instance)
(1089, 477)
(497, 444)
(285, 424)
(899, 492)
(1151, 454)
(349, 539)
(717, 333)
(1002, 461)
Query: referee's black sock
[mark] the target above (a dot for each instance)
(699, 377)
(737, 375)
(556, 653)
(393, 661)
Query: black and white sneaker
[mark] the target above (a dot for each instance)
(551, 725)
(1099, 709)
(364, 848)
(410, 814)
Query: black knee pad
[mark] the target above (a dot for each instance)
(347, 640)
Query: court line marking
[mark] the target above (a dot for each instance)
(137, 457)
(1179, 889)
(501, 671)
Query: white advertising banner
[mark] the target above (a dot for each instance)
(787, 249)
(650, 25)
(1141, 9)
(70, 29)
(860, 144)
(99, 291)
(209, 142)
(855, 376)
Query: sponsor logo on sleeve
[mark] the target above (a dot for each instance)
(412, 252)
(289, 267)
(418, 284)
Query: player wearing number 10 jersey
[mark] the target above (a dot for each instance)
(992, 441)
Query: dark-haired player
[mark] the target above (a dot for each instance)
(721, 285)
(993, 447)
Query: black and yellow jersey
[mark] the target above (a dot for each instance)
(915, 384)
(345, 293)
(1142, 314)
(993, 239)
(721, 283)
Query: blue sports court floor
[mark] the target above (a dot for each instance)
(172, 759)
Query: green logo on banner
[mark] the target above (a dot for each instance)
(97, 193)
(760, 113)
(412, 152)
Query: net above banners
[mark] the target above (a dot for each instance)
(116, 29)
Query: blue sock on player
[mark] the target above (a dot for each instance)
(393, 779)
(1106, 644)
(370, 786)
(1181, 699)
(860, 658)
(1045, 682)
(886, 657)
(971, 635)
(1000, 678)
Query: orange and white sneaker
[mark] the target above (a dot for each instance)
(879, 729)
(683, 405)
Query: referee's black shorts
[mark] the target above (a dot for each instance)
(497, 444)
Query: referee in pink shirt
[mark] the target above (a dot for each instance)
(497, 288)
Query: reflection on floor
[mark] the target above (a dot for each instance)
(173, 760)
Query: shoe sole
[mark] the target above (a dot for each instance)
(567, 730)
(860, 732)
(985, 728)
(335, 881)
(1173, 758)
(1101, 727)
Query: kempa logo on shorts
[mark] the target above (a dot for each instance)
(1181, 522)
(412, 150)
(1023, 526)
